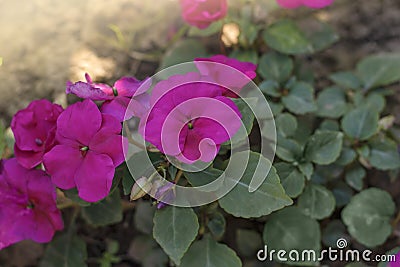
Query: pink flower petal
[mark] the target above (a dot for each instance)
(94, 177)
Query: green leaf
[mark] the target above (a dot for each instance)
(203, 177)
(329, 125)
(289, 229)
(248, 242)
(354, 177)
(143, 218)
(292, 180)
(247, 113)
(346, 80)
(2, 138)
(73, 195)
(245, 55)
(300, 99)
(66, 250)
(342, 193)
(384, 154)
(212, 29)
(209, 253)
(270, 88)
(324, 147)
(306, 168)
(217, 225)
(286, 124)
(183, 51)
(288, 149)
(331, 103)
(375, 102)
(322, 38)
(379, 70)
(286, 37)
(175, 229)
(317, 202)
(332, 232)
(347, 156)
(108, 211)
(275, 66)
(360, 123)
(368, 215)
(270, 196)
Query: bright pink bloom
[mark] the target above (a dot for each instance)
(117, 98)
(226, 75)
(201, 13)
(396, 263)
(307, 3)
(189, 118)
(34, 128)
(88, 151)
(28, 207)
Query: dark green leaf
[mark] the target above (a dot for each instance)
(203, 177)
(175, 229)
(66, 250)
(248, 242)
(108, 211)
(270, 88)
(300, 99)
(285, 37)
(209, 253)
(289, 229)
(217, 225)
(143, 218)
(379, 70)
(324, 37)
(292, 180)
(286, 124)
(245, 55)
(331, 103)
(306, 168)
(347, 156)
(360, 123)
(347, 80)
(354, 177)
(275, 66)
(384, 154)
(270, 196)
(368, 215)
(288, 149)
(324, 147)
(183, 51)
(317, 202)
(214, 28)
(73, 195)
(342, 193)
(334, 231)
(330, 125)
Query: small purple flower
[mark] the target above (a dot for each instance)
(165, 194)
(27, 205)
(117, 99)
(227, 76)
(88, 151)
(189, 118)
(34, 129)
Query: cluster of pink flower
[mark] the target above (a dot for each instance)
(201, 13)
(81, 146)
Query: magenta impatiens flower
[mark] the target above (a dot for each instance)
(27, 205)
(117, 98)
(396, 263)
(34, 130)
(307, 3)
(88, 151)
(189, 118)
(201, 13)
(226, 75)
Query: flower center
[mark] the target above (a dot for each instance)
(84, 150)
(115, 92)
(190, 126)
(38, 141)
(30, 205)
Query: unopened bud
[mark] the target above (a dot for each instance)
(140, 188)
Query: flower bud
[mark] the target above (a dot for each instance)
(140, 188)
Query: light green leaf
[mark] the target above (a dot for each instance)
(331, 103)
(367, 216)
(108, 211)
(292, 180)
(270, 196)
(175, 229)
(354, 177)
(275, 66)
(66, 250)
(286, 124)
(376, 102)
(384, 154)
(360, 123)
(317, 202)
(209, 253)
(346, 80)
(306, 168)
(324, 147)
(289, 229)
(300, 98)
(379, 70)
(286, 37)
